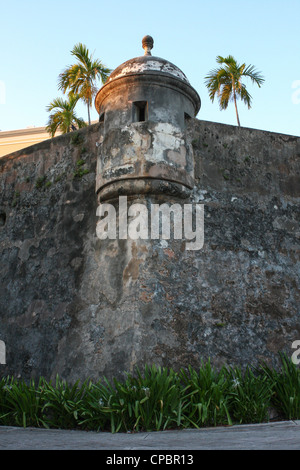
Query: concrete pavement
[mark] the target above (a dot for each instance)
(284, 435)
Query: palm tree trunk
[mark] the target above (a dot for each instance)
(89, 117)
(236, 110)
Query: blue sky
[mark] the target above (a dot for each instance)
(37, 36)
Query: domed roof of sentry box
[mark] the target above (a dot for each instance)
(147, 64)
(143, 72)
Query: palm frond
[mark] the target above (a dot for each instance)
(81, 52)
(225, 96)
(63, 117)
(254, 75)
(245, 96)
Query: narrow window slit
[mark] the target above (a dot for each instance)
(140, 111)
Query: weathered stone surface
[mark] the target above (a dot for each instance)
(48, 211)
(155, 152)
(82, 307)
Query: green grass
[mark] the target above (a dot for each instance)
(155, 399)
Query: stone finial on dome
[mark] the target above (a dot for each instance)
(147, 43)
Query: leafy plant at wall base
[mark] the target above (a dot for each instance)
(21, 404)
(157, 403)
(286, 386)
(154, 398)
(92, 414)
(206, 392)
(62, 403)
(149, 401)
(250, 396)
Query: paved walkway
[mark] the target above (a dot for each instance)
(284, 435)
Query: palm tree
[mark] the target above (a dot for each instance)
(64, 117)
(226, 82)
(80, 78)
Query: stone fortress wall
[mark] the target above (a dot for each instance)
(77, 305)
(82, 307)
